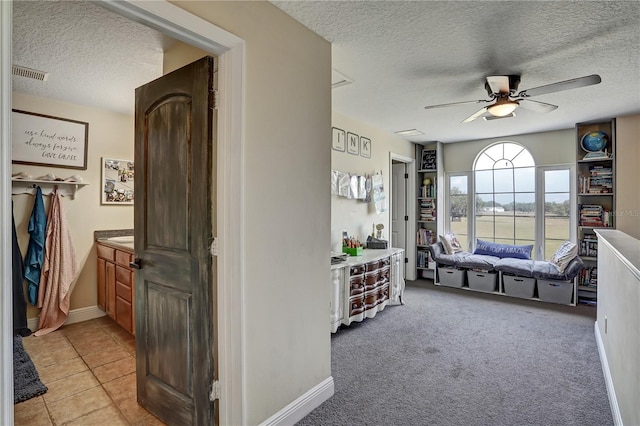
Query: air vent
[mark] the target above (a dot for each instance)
(29, 73)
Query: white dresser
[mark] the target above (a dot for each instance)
(363, 285)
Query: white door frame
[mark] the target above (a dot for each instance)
(184, 26)
(410, 241)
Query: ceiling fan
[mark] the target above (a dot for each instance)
(503, 92)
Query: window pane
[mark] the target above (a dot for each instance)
(483, 201)
(496, 151)
(525, 179)
(556, 181)
(505, 226)
(484, 181)
(458, 185)
(484, 162)
(525, 203)
(511, 150)
(550, 247)
(504, 203)
(484, 226)
(526, 226)
(503, 180)
(458, 206)
(524, 159)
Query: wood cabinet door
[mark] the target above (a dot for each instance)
(110, 291)
(102, 284)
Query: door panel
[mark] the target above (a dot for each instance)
(174, 224)
(398, 206)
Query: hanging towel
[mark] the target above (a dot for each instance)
(19, 303)
(58, 270)
(35, 251)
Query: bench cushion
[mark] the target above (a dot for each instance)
(478, 261)
(521, 267)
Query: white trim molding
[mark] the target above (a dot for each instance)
(75, 315)
(303, 405)
(611, 392)
(6, 291)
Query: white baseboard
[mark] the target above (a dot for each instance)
(294, 412)
(613, 401)
(75, 315)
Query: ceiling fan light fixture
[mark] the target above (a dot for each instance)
(502, 108)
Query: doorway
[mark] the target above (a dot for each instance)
(192, 30)
(403, 210)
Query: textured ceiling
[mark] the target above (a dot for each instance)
(406, 55)
(95, 57)
(401, 56)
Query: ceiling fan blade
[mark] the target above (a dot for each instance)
(498, 83)
(457, 103)
(475, 115)
(536, 106)
(562, 85)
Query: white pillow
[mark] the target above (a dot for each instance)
(564, 255)
(450, 243)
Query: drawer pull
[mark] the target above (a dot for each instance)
(136, 264)
(518, 280)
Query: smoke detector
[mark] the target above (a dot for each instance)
(30, 73)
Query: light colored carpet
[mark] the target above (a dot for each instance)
(454, 357)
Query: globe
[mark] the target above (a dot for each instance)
(594, 141)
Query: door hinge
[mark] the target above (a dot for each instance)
(213, 99)
(406, 175)
(215, 391)
(213, 248)
(406, 218)
(406, 260)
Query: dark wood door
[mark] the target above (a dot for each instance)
(174, 223)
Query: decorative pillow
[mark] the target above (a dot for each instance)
(450, 243)
(564, 255)
(503, 250)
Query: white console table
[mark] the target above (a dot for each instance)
(363, 285)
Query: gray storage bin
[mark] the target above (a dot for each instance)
(555, 291)
(515, 286)
(451, 277)
(482, 281)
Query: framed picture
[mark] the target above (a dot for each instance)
(429, 159)
(365, 147)
(338, 139)
(353, 143)
(44, 140)
(117, 181)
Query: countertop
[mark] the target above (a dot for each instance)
(368, 255)
(624, 246)
(116, 244)
(103, 237)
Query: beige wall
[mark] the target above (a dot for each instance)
(111, 135)
(628, 174)
(287, 205)
(547, 148)
(180, 54)
(355, 216)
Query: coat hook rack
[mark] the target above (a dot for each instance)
(25, 186)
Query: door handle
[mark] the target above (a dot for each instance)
(136, 264)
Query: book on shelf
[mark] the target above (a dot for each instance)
(425, 237)
(598, 181)
(588, 246)
(424, 257)
(594, 215)
(427, 191)
(588, 277)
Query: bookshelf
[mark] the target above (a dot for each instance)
(428, 161)
(596, 199)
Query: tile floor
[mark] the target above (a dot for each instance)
(89, 368)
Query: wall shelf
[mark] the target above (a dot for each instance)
(26, 186)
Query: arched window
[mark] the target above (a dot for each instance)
(505, 194)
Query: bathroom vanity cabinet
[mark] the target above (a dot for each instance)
(115, 283)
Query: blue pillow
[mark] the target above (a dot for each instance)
(503, 250)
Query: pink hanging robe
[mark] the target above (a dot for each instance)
(59, 269)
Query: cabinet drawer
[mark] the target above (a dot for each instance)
(357, 269)
(372, 266)
(123, 291)
(105, 252)
(123, 275)
(385, 262)
(123, 258)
